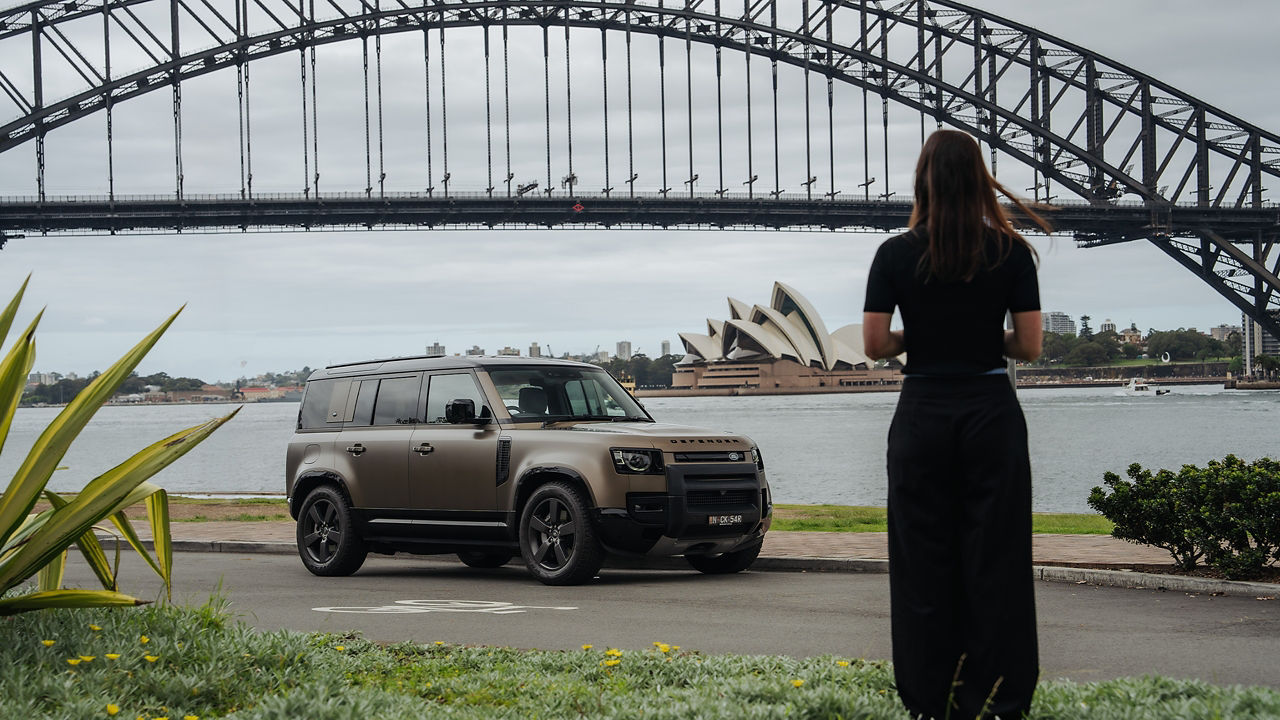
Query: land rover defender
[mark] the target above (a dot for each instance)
(493, 457)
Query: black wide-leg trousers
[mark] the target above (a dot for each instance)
(961, 593)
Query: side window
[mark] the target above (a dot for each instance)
(325, 403)
(577, 399)
(364, 403)
(397, 401)
(444, 389)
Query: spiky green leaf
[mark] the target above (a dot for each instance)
(67, 599)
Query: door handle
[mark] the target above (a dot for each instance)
(356, 449)
(424, 449)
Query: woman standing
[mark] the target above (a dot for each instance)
(963, 605)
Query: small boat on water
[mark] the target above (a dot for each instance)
(1139, 387)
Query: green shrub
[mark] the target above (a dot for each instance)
(1227, 513)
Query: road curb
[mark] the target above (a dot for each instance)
(1047, 573)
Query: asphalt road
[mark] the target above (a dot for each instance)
(1086, 633)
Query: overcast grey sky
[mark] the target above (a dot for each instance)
(270, 302)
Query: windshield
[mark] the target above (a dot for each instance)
(551, 393)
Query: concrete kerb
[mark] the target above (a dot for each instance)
(1047, 573)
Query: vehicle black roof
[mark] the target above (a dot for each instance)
(436, 362)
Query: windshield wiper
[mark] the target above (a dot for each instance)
(628, 418)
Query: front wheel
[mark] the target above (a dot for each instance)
(726, 563)
(327, 540)
(557, 540)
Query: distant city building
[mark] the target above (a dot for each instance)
(1107, 326)
(624, 350)
(535, 350)
(39, 378)
(1131, 336)
(1257, 341)
(475, 350)
(1059, 322)
(436, 348)
(601, 356)
(1222, 332)
(509, 351)
(666, 347)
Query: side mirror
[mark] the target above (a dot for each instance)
(462, 411)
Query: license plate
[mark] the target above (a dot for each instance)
(724, 519)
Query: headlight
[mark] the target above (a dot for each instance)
(755, 457)
(637, 462)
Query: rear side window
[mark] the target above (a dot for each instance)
(397, 402)
(325, 404)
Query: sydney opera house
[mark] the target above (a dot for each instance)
(780, 347)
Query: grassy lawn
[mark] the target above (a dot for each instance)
(850, 518)
(173, 662)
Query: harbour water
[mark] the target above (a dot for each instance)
(817, 449)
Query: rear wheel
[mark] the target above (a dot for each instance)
(726, 563)
(327, 541)
(557, 540)
(485, 558)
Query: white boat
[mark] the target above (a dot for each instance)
(1138, 387)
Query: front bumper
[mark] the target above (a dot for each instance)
(708, 508)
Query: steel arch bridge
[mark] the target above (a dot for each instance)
(1122, 155)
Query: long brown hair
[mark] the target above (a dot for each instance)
(956, 208)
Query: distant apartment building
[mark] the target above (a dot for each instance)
(1107, 326)
(436, 348)
(623, 350)
(1257, 341)
(509, 351)
(666, 347)
(1222, 332)
(39, 378)
(1059, 322)
(475, 350)
(535, 350)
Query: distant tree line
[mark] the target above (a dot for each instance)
(65, 389)
(1090, 348)
(644, 370)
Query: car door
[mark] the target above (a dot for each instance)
(452, 467)
(373, 447)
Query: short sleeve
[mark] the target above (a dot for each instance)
(1024, 295)
(880, 295)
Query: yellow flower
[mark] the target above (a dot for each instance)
(151, 658)
(190, 717)
(88, 658)
(48, 643)
(112, 708)
(94, 628)
(797, 682)
(340, 648)
(613, 652)
(842, 663)
(73, 661)
(611, 663)
(144, 639)
(664, 648)
(675, 647)
(112, 656)
(587, 647)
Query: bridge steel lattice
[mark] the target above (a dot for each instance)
(1123, 155)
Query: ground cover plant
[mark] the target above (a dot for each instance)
(174, 662)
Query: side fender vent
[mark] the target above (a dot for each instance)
(503, 463)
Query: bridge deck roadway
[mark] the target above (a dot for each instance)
(1098, 223)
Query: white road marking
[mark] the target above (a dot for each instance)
(402, 607)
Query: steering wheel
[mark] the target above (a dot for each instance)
(514, 410)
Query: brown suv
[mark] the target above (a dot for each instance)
(490, 457)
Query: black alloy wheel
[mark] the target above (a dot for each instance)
(485, 558)
(327, 541)
(557, 539)
(726, 563)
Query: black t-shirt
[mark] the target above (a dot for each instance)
(951, 328)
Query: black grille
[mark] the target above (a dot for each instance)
(720, 456)
(702, 498)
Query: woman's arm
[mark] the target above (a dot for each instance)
(1026, 339)
(878, 341)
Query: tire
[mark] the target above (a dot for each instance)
(485, 558)
(327, 540)
(726, 563)
(557, 540)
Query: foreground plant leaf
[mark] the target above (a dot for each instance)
(67, 599)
